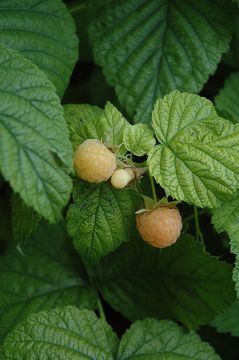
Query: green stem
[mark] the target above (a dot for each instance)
(101, 309)
(191, 216)
(199, 235)
(76, 8)
(153, 189)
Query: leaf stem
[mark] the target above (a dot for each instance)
(101, 309)
(76, 8)
(199, 235)
(153, 189)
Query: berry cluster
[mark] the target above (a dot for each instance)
(94, 162)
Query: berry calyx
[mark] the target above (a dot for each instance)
(94, 162)
(122, 177)
(160, 227)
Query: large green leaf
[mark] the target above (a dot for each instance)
(196, 146)
(61, 334)
(90, 122)
(49, 274)
(100, 218)
(24, 220)
(228, 321)
(226, 101)
(181, 283)
(75, 334)
(44, 32)
(35, 152)
(148, 48)
(162, 340)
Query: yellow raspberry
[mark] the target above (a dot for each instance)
(94, 162)
(160, 227)
(122, 177)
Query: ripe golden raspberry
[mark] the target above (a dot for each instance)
(94, 162)
(122, 177)
(159, 227)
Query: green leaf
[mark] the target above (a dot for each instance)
(228, 321)
(236, 275)
(149, 48)
(138, 139)
(35, 152)
(112, 124)
(44, 32)
(181, 282)
(231, 58)
(227, 100)
(61, 334)
(24, 220)
(49, 274)
(90, 122)
(100, 218)
(83, 122)
(226, 218)
(196, 146)
(153, 339)
(5, 220)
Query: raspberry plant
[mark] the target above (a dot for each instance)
(119, 179)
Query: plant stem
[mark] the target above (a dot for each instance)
(153, 189)
(191, 216)
(199, 235)
(101, 309)
(76, 8)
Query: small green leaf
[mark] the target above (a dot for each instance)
(112, 124)
(181, 283)
(228, 321)
(61, 334)
(44, 32)
(90, 122)
(138, 139)
(227, 100)
(148, 49)
(35, 152)
(196, 146)
(100, 218)
(24, 220)
(50, 274)
(153, 339)
(83, 122)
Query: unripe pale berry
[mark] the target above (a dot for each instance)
(122, 177)
(160, 227)
(94, 162)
